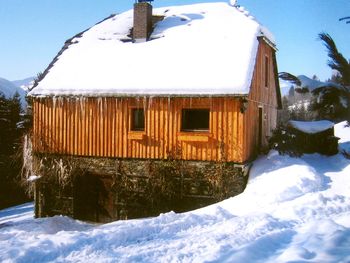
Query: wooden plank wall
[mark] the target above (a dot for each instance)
(261, 96)
(100, 127)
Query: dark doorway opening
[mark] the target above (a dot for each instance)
(93, 199)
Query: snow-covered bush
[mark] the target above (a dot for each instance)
(285, 141)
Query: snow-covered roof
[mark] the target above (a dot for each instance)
(312, 127)
(200, 49)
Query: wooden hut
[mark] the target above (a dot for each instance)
(153, 110)
(314, 136)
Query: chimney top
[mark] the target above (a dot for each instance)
(142, 20)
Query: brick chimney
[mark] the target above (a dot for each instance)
(142, 21)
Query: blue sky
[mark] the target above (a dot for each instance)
(33, 31)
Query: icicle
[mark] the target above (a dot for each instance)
(150, 102)
(27, 168)
(102, 106)
(144, 103)
(80, 101)
(137, 101)
(60, 101)
(211, 101)
(99, 104)
(54, 100)
(105, 105)
(169, 104)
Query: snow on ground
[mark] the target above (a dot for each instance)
(293, 210)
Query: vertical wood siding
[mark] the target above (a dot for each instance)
(264, 97)
(100, 127)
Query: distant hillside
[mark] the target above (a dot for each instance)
(24, 83)
(306, 83)
(9, 89)
(312, 84)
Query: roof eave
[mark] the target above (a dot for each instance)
(126, 95)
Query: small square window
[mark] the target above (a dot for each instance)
(195, 120)
(137, 120)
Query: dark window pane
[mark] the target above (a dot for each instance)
(137, 120)
(267, 73)
(195, 120)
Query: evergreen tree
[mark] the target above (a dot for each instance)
(336, 60)
(16, 120)
(336, 78)
(4, 125)
(335, 102)
(10, 140)
(330, 103)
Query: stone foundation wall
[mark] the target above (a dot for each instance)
(104, 190)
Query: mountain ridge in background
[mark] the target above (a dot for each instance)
(9, 88)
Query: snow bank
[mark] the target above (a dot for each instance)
(312, 126)
(293, 210)
(201, 49)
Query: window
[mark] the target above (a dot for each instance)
(195, 120)
(137, 120)
(267, 71)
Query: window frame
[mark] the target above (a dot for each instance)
(132, 120)
(195, 130)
